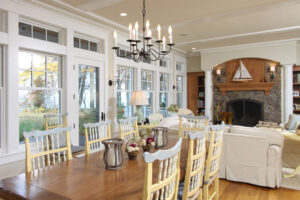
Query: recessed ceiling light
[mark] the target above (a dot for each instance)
(193, 48)
(123, 14)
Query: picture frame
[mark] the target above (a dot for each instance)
(295, 93)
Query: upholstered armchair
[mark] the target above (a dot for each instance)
(252, 155)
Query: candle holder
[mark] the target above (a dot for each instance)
(160, 137)
(113, 157)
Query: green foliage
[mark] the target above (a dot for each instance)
(173, 108)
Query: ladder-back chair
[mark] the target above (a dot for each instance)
(193, 181)
(166, 187)
(44, 148)
(55, 120)
(213, 159)
(189, 123)
(95, 133)
(61, 120)
(128, 128)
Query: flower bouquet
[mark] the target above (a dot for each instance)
(132, 151)
(148, 144)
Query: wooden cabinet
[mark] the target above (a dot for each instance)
(296, 88)
(196, 92)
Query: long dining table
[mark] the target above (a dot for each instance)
(84, 178)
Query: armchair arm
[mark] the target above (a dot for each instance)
(274, 165)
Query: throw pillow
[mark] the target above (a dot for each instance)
(293, 122)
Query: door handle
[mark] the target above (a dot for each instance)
(102, 116)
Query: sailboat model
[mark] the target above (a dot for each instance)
(242, 74)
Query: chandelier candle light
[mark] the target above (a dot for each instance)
(147, 52)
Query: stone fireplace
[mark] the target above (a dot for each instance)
(248, 107)
(245, 112)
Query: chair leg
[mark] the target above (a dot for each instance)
(200, 195)
(205, 192)
(216, 187)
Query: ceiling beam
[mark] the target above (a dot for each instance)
(97, 4)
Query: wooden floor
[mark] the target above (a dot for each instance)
(240, 191)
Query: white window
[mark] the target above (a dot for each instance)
(124, 90)
(179, 91)
(163, 93)
(87, 44)
(178, 67)
(163, 63)
(38, 32)
(39, 89)
(147, 84)
(1, 96)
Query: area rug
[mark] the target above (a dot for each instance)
(291, 183)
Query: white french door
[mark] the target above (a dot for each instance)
(90, 94)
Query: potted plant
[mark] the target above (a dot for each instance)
(148, 144)
(132, 150)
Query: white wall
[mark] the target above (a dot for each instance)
(282, 51)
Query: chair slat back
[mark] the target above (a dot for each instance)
(95, 133)
(166, 187)
(195, 165)
(128, 128)
(189, 123)
(214, 152)
(55, 120)
(44, 148)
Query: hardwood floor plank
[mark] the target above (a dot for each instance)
(242, 191)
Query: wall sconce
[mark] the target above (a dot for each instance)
(113, 81)
(218, 72)
(272, 72)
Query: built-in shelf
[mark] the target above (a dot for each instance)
(265, 86)
(296, 83)
(201, 86)
(296, 97)
(296, 110)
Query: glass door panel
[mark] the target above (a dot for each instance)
(88, 97)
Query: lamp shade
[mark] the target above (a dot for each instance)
(138, 98)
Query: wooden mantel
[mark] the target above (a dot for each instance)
(258, 69)
(263, 86)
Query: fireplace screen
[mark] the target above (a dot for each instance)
(245, 112)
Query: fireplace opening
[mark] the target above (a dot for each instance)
(245, 112)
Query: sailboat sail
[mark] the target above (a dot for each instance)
(242, 74)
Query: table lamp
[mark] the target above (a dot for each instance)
(139, 99)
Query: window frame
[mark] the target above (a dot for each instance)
(148, 91)
(164, 111)
(34, 24)
(119, 80)
(179, 91)
(2, 103)
(80, 37)
(59, 87)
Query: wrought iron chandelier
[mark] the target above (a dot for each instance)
(147, 52)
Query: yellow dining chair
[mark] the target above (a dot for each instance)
(61, 120)
(55, 120)
(95, 133)
(44, 148)
(189, 123)
(193, 181)
(212, 165)
(166, 186)
(128, 128)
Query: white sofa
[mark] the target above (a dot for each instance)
(252, 155)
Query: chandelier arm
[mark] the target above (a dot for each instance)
(154, 55)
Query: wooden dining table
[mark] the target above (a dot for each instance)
(84, 178)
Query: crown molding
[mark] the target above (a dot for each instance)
(240, 35)
(293, 41)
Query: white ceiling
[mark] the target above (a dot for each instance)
(207, 23)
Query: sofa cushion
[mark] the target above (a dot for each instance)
(274, 136)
